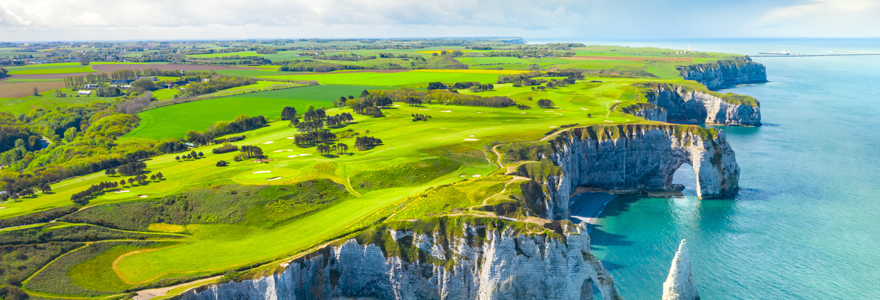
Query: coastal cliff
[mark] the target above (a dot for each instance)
(725, 73)
(443, 258)
(684, 104)
(635, 158)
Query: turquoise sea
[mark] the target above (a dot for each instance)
(806, 222)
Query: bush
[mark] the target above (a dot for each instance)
(222, 163)
(225, 149)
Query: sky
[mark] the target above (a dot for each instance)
(96, 20)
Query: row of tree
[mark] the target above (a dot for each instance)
(338, 148)
(442, 97)
(216, 84)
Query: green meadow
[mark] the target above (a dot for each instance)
(176, 120)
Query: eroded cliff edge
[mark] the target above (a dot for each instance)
(677, 103)
(635, 158)
(725, 73)
(438, 258)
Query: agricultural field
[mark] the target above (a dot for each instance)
(222, 212)
(175, 120)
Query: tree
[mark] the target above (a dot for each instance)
(45, 188)
(36, 91)
(122, 182)
(177, 158)
(365, 94)
(545, 103)
(310, 108)
(341, 148)
(222, 163)
(159, 175)
(142, 85)
(289, 113)
(152, 177)
(130, 181)
(70, 134)
(201, 154)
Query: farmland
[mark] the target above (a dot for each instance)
(225, 213)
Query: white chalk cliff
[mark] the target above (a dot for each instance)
(680, 284)
(685, 105)
(725, 73)
(476, 262)
(634, 158)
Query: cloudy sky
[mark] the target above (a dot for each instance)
(41, 20)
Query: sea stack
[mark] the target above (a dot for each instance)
(680, 284)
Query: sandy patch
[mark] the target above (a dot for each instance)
(292, 155)
(290, 138)
(142, 196)
(522, 113)
(471, 140)
(585, 108)
(476, 175)
(273, 178)
(269, 142)
(282, 150)
(442, 127)
(125, 191)
(552, 126)
(445, 111)
(471, 135)
(397, 105)
(423, 109)
(262, 172)
(305, 154)
(463, 175)
(609, 121)
(479, 112)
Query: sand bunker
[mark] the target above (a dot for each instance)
(471, 140)
(476, 175)
(262, 172)
(269, 142)
(142, 196)
(445, 111)
(552, 126)
(273, 178)
(290, 138)
(292, 155)
(463, 175)
(125, 191)
(283, 150)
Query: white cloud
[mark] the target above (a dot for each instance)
(816, 10)
(47, 14)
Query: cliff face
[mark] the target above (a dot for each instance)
(478, 263)
(680, 284)
(725, 73)
(633, 158)
(684, 105)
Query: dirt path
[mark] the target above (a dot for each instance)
(351, 188)
(158, 292)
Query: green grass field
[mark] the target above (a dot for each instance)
(60, 68)
(175, 120)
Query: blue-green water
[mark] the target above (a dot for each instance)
(806, 223)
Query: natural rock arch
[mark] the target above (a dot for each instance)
(635, 158)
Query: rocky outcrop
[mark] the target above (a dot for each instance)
(692, 106)
(635, 158)
(680, 284)
(725, 73)
(455, 260)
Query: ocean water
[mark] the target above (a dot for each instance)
(806, 222)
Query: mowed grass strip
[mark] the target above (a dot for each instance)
(176, 120)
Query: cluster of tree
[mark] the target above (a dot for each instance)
(418, 117)
(16, 134)
(442, 97)
(3, 72)
(545, 103)
(81, 198)
(366, 142)
(437, 62)
(135, 105)
(248, 152)
(105, 90)
(313, 66)
(220, 128)
(222, 163)
(339, 148)
(346, 57)
(226, 148)
(481, 47)
(190, 156)
(523, 107)
(392, 55)
(518, 77)
(310, 138)
(530, 53)
(266, 50)
(80, 80)
(172, 146)
(132, 168)
(215, 84)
